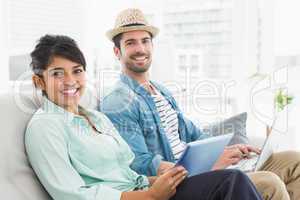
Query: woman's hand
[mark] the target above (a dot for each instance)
(165, 185)
(164, 166)
(152, 179)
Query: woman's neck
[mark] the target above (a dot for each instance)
(72, 109)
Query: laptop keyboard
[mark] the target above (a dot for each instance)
(245, 164)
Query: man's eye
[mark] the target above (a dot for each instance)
(77, 71)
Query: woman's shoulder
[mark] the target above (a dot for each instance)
(44, 118)
(45, 123)
(44, 135)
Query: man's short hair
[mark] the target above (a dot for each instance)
(117, 39)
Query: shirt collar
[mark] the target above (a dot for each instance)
(68, 117)
(51, 108)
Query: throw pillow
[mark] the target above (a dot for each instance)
(235, 124)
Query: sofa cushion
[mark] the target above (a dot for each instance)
(235, 124)
(18, 180)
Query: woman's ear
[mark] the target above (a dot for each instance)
(38, 82)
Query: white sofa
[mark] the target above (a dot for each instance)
(17, 179)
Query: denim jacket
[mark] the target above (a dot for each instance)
(133, 112)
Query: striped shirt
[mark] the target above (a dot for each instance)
(169, 120)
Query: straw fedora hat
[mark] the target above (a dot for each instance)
(131, 19)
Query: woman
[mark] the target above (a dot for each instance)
(77, 154)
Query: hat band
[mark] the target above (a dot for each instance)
(135, 24)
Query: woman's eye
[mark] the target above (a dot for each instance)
(57, 74)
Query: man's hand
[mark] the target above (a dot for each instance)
(164, 166)
(233, 154)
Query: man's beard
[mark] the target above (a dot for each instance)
(139, 69)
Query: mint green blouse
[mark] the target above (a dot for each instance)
(73, 161)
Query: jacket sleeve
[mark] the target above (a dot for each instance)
(47, 151)
(125, 118)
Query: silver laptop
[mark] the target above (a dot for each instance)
(255, 162)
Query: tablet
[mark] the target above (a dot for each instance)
(200, 156)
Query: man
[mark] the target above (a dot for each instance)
(148, 118)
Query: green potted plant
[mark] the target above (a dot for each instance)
(281, 100)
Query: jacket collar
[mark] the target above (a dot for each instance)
(133, 84)
(138, 88)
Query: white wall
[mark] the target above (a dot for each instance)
(244, 38)
(4, 46)
(287, 29)
(30, 19)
